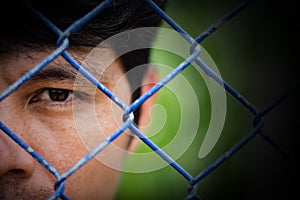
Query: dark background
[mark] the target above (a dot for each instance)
(257, 54)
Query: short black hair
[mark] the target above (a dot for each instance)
(21, 29)
(19, 24)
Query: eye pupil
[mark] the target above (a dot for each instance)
(58, 95)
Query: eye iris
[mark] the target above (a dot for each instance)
(58, 95)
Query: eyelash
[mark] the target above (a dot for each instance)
(44, 98)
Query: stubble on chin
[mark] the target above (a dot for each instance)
(22, 190)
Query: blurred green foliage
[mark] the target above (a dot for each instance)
(250, 52)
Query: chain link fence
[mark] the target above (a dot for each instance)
(251, 142)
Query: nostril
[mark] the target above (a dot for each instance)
(16, 171)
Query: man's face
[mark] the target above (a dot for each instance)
(61, 116)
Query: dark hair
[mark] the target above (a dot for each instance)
(21, 29)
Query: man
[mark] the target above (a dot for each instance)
(57, 112)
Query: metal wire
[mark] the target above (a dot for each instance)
(195, 51)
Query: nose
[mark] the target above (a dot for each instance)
(14, 160)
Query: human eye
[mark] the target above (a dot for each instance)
(52, 95)
(56, 98)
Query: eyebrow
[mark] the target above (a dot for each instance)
(66, 73)
(57, 74)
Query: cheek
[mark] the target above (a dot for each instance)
(64, 140)
(99, 176)
(57, 141)
(95, 125)
(93, 181)
(64, 147)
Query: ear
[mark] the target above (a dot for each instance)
(150, 79)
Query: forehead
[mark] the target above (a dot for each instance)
(99, 62)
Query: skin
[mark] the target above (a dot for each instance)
(59, 130)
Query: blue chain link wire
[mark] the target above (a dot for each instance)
(195, 51)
